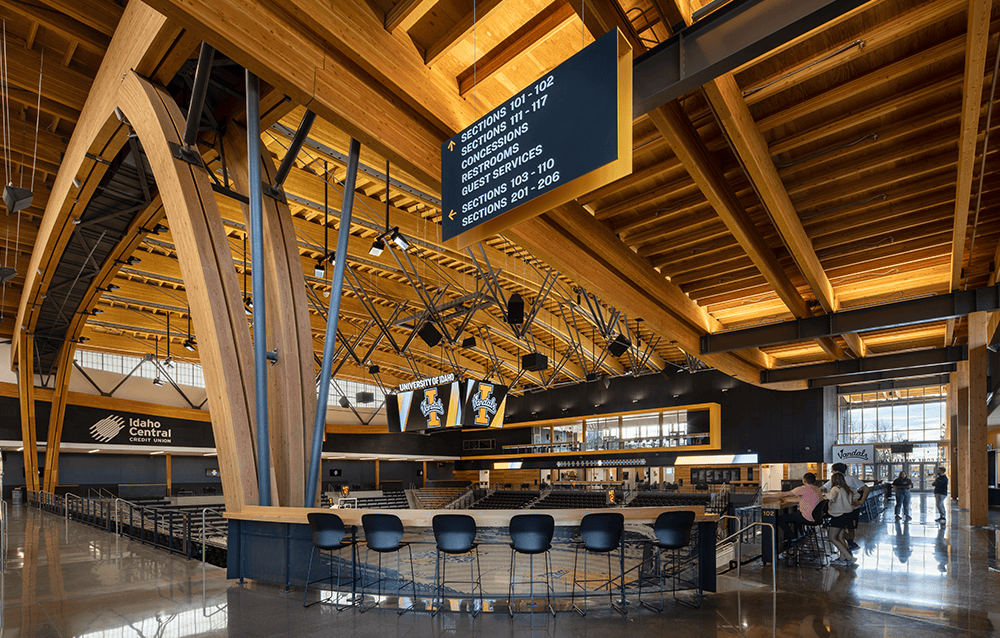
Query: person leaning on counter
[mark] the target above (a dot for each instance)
(810, 501)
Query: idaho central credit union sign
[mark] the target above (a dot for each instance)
(104, 427)
(139, 430)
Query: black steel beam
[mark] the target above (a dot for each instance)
(885, 376)
(893, 315)
(899, 361)
(202, 74)
(895, 384)
(293, 149)
(724, 40)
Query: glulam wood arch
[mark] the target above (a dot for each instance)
(213, 289)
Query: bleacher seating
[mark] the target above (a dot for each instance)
(432, 498)
(390, 500)
(563, 500)
(669, 499)
(506, 500)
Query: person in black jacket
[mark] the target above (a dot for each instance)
(901, 490)
(940, 493)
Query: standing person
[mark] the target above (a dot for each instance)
(858, 485)
(940, 493)
(901, 489)
(842, 501)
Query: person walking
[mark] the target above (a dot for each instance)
(940, 493)
(901, 490)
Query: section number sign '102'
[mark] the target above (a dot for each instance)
(566, 134)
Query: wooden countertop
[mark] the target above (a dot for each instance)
(772, 500)
(484, 518)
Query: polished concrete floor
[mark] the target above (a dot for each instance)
(914, 579)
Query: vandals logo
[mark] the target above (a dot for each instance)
(485, 404)
(432, 408)
(107, 428)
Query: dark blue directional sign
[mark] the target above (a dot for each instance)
(556, 130)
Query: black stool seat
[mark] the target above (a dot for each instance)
(455, 534)
(328, 533)
(673, 533)
(383, 535)
(601, 534)
(531, 534)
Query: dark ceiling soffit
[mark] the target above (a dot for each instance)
(723, 41)
(894, 384)
(888, 377)
(899, 361)
(894, 315)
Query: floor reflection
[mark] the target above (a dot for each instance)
(914, 578)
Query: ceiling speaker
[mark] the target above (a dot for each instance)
(534, 362)
(364, 397)
(515, 309)
(429, 334)
(619, 345)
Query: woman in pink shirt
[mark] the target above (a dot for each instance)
(810, 497)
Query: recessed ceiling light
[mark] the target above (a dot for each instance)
(92, 451)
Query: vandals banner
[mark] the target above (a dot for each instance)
(853, 453)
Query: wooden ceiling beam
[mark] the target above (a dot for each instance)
(96, 14)
(977, 37)
(407, 13)
(90, 38)
(60, 84)
(482, 10)
(899, 26)
(550, 19)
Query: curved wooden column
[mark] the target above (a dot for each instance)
(212, 286)
(26, 394)
(291, 384)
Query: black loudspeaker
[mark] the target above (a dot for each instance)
(364, 397)
(534, 362)
(515, 309)
(591, 376)
(619, 345)
(429, 334)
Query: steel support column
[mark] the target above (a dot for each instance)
(330, 342)
(259, 314)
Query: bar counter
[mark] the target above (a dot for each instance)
(272, 544)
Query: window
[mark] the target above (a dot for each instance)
(911, 415)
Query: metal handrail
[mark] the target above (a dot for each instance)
(6, 525)
(203, 525)
(66, 502)
(738, 535)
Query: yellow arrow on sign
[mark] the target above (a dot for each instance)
(451, 145)
(451, 215)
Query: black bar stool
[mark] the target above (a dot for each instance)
(531, 534)
(673, 532)
(455, 534)
(384, 534)
(600, 534)
(328, 533)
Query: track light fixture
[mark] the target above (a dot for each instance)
(397, 238)
(320, 270)
(248, 304)
(377, 247)
(112, 288)
(158, 382)
(189, 344)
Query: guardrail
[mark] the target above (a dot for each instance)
(739, 534)
(167, 529)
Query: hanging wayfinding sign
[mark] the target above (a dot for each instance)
(566, 134)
